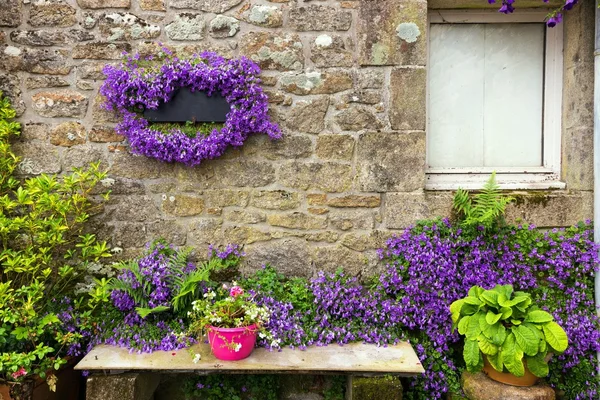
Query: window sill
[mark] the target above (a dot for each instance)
(506, 181)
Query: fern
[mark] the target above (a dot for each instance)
(484, 209)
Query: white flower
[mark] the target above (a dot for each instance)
(237, 347)
(197, 358)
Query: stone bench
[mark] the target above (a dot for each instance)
(142, 378)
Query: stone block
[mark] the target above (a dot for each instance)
(374, 388)
(226, 198)
(551, 208)
(390, 161)
(273, 51)
(186, 27)
(126, 26)
(330, 258)
(308, 116)
(96, 4)
(56, 13)
(297, 220)
(45, 81)
(212, 6)
(480, 387)
(127, 165)
(408, 98)
(354, 201)
(129, 235)
(100, 113)
(223, 26)
(245, 235)
(369, 78)
(269, 16)
(362, 242)
(205, 231)
(579, 34)
(47, 37)
(153, 5)
(172, 231)
(578, 96)
(319, 18)
(275, 199)
(68, 134)
(291, 256)
(104, 134)
(10, 86)
(361, 96)
(327, 176)
(11, 13)
(392, 33)
(330, 51)
(244, 216)
(101, 50)
(83, 156)
(135, 208)
(37, 158)
(129, 386)
(345, 220)
(245, 173)
(335, 147)
(316, 199)
(34, 131)
(404, 209)
(182, 205)
(577, 158)
(288, 147)
(36, 61)
(91, 70)
(316, 82)
(65, 103)
(358, 117)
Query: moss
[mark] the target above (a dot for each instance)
(189, 129)
(375, 388)
(534, 198)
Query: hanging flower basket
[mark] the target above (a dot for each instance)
(138, 85)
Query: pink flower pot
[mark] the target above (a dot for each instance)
(232, 344)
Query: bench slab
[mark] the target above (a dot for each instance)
(350, 359)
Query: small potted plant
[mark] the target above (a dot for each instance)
(231, 323)
(506, 335)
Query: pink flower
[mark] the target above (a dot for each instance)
(236, 291)
(21, 372)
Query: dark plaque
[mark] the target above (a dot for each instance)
(186, 105)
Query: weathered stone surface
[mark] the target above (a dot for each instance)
(275, 199)
(128, 386)
(205, 231)
(362, 96)
(35, 131)
(352, 219)
(128, 235)
(330, 51)
(369, 78)
(126, 26)
(184, 50)
(578, 96)
(273, 51)
(45, 81)
(95, 4)
(315, 82)
(127, 165)
(11, 13)
(317, 210)
(153, 5)
(579, 35)
(356, 118)
(182, 205)
(354, 201)
(290, 256)
(392, 34)
(36, 61)
(68, 134)
(101, 114)
(84, 85)
(213, 6)
(330, 258)
(245, 173)
(551, 209)
(308, 116)
(408, 98)
(390, 161)
(245, 216)
(223, 26)
(10, 87)
(480, 387)
(104, 134)
(335, 147)
(52, 13)
(89, 20)
(64, 103)
(137, 208)
(297, 220)
(45, 37)
(245, 234)
(2, 37)
(171, 231)
(316, 199)
(226, 198)
(83, 156)
(100, 50)
(319, 18)
(361, 242)
(37, 158)
(373, 388)
(91, 70)
(263, 15)
(288, 147)
(186, 27)
(577, 158)
(328, 176)
(404, 209)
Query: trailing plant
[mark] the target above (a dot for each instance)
(552, 19)
(233, 387)
(508, 329)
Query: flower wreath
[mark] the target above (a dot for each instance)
(132, 87)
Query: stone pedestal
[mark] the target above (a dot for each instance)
(480, 387)
(374, 388)
(129, 386)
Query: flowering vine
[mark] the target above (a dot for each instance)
(136, 85)
(554, 18)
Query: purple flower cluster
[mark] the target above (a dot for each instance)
(553, 18)
(130, 88)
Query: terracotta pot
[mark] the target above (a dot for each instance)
(507, 378)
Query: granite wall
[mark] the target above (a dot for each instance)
(346, 81)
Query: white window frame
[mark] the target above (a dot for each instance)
(545, 177)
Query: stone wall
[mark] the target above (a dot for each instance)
(347, 83)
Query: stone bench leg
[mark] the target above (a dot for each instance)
(129, 386)
(373, 388)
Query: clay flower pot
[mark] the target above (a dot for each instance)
(507, 378)
(232, 344)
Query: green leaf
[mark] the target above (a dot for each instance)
(506, 312)
(537, 365)
(472, 300)
(538, 317)
(490, 297)
(512, 356)
(473, 328)
(471, 354)
(486, 346)
(463, 323)
(526, 339)
(455, 309)
(496, 333)
(496, 361)
(491, 318)
(476, 291)
(144, 312)
(556, 336)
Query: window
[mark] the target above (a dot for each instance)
(493, 100)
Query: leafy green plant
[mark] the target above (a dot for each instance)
(484, 209)
(508, 329)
